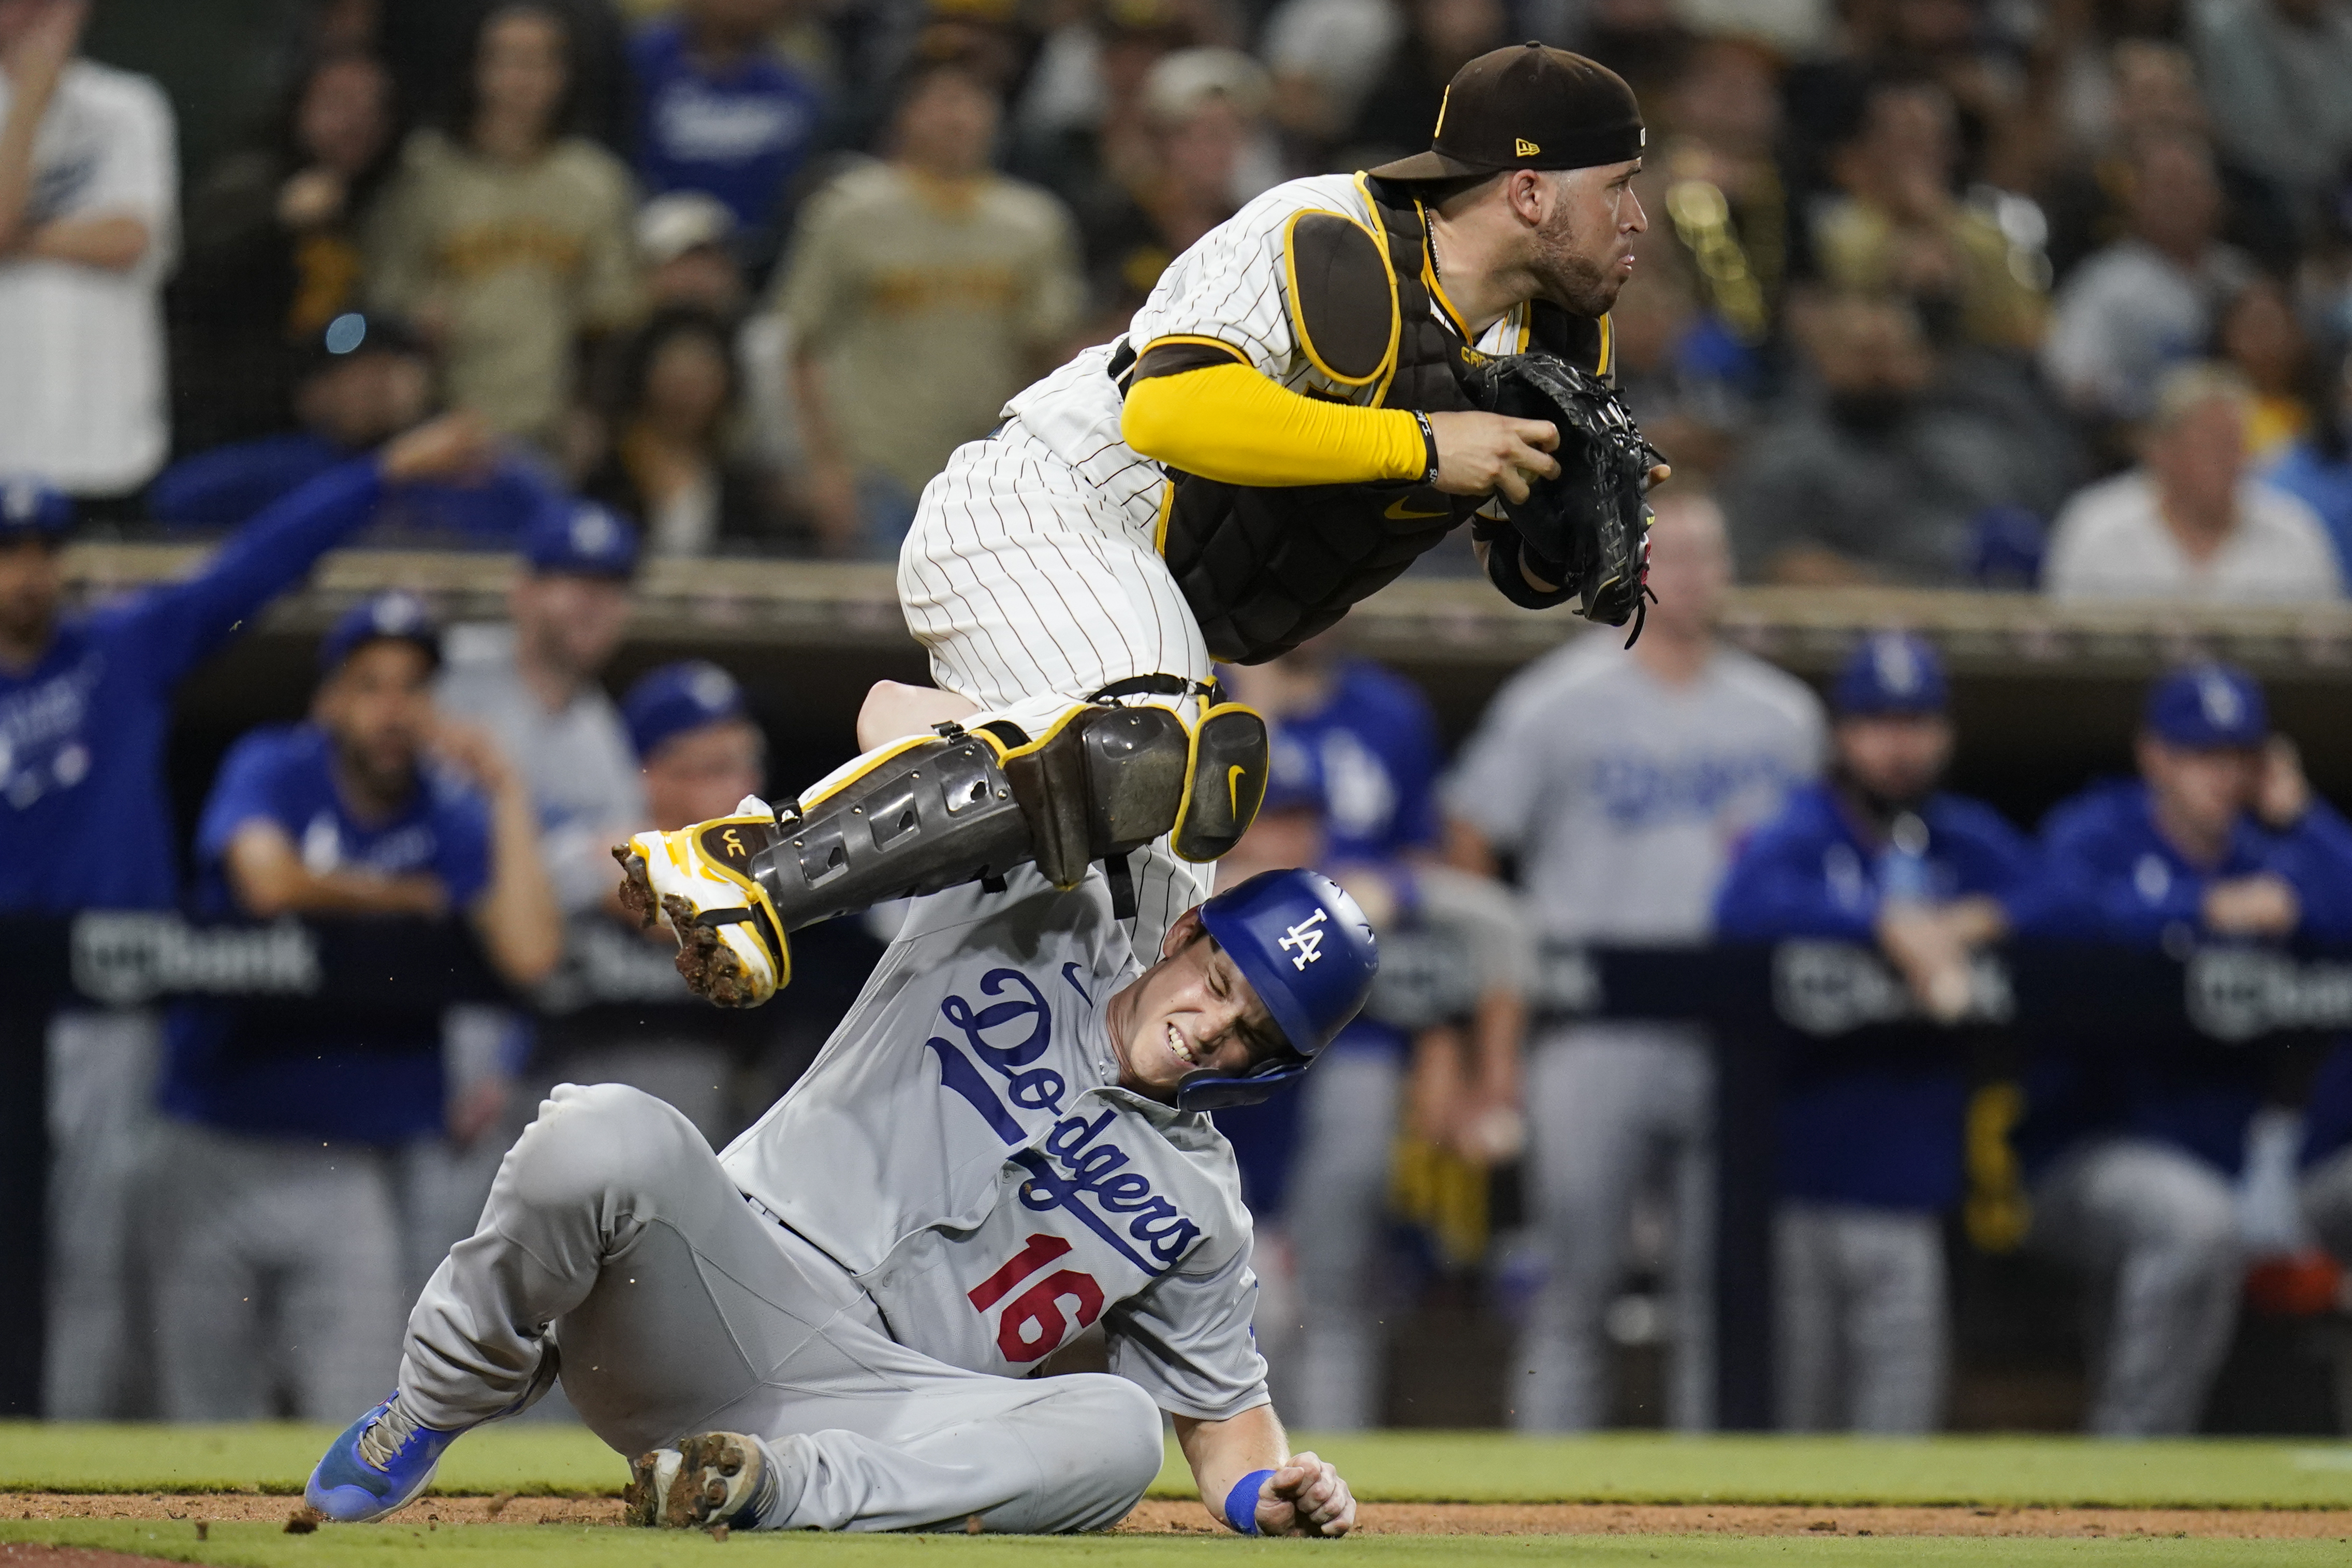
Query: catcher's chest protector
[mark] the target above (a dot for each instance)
(1266, 568)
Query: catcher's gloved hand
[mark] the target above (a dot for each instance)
(1591, 522)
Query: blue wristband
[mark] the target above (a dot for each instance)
(1241, 1503)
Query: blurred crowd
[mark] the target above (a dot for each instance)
(1934, 292)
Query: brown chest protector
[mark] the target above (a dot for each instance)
(1266, 568)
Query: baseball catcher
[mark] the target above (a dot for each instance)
(1316, 393)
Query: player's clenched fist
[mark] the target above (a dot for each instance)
(1480, 454)
(1306, 1497)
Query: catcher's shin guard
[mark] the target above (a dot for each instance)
(1059, 789)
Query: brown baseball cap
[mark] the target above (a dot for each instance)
(1527, 108)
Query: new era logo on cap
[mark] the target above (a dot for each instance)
(1526, 149)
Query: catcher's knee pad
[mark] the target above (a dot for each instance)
(1105, 780)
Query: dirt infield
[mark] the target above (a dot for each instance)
(1155, 1518)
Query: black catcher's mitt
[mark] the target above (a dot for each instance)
(1591, 523)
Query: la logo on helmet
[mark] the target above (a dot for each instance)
(1304, 941)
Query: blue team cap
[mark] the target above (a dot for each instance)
(1310, 956)
(29, 506)
(398, 616)
(580, 537)
(678, 697)
(1891, 672)
(2207, 707)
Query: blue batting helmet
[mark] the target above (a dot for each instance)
(1309, 953)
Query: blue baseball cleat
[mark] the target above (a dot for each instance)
(358, 1479)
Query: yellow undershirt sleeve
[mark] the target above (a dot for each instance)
(1230, 424)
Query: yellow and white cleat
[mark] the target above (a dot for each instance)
(731, 947)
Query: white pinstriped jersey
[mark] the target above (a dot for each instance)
(1033, 563)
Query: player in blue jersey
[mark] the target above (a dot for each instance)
(2135, 1160)
(85, 823)
(290, 1151)
(1876, 855)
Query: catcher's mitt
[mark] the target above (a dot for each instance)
(1591, 522)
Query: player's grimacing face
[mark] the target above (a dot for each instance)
(1191, 1012)
(1584, 247)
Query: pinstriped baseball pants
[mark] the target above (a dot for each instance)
(1024, 578)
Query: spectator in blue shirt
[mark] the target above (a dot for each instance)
(284, 1137)
(721, 112)
(1881, 856)
(2135, 1158)
(365, 378)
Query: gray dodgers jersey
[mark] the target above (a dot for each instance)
(1623, 798)
(961, 1147)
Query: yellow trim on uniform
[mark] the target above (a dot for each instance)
(1526, 325)
(1429, 276)
(1198, 341)
(1037, 743)
(1607, 344)
(1388, 270)
(1160, 523)
(826, 790)
(1299, 316)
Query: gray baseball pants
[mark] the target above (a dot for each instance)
(275, 1260)
(101, 1118)
(1348, 1115)
(1610, 1108)
(1860, 1320)
(2157, 1229)
(614, 1239)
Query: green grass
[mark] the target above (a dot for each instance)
(1395, 1466)
(548, 1546)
